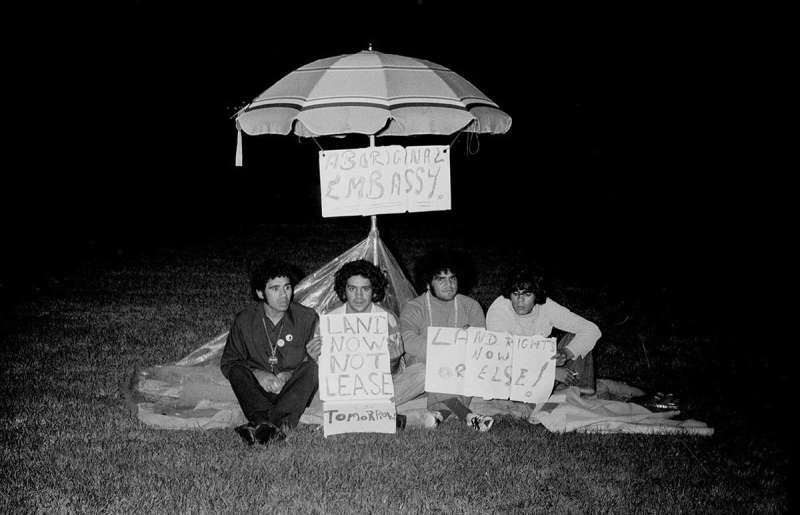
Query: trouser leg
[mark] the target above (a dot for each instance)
(447, 403)
(584, 367)
(295, 395)
(256, 403)
(409, 383)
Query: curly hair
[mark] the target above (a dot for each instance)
(527, 279)
(365, 269)
(261, 271)
(432, 263)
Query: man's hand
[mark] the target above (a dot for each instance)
(283, 377)
(314, 347)
(268, 381)
(566, 376)
(562, 356)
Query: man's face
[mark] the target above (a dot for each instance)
(444, 285)
(277, 293)
(359, 293)
(522, 301)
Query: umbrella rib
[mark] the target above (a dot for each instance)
(365, 99)
(371, 67)
(403, 105)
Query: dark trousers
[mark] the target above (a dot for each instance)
(446, 403)
(285, 406)
(583, 366)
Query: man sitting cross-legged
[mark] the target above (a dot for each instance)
(525, 309)
(265, 356)
(440, 306)
(360, 285)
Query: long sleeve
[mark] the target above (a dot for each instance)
(414, 331)
(586, 333)
(395, 339)
(234, 351)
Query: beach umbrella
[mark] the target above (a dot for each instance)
(375, 94)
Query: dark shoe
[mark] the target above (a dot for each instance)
(266, 432)
(401, 421)
(247, 433)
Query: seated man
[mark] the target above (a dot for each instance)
(360, 285)
(265, 356)
(524, 309)
(440, 306)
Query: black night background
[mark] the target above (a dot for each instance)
(629, 130)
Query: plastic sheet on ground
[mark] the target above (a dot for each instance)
(568, 411)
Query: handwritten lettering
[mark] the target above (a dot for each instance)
(391, 179)
(484, 363)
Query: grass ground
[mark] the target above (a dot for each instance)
(69, 443)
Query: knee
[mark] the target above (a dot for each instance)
(415, 370)
(306, 369)
(309, 367)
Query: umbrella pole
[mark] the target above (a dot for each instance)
(374, 221)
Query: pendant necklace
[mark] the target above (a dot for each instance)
(430, 312)
(273, 348)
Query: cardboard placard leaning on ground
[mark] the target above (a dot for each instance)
(355, 382)
(489, 364)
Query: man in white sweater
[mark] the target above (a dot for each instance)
(525, 309)
(440, 306)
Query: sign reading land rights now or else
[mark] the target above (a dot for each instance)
(490, 364)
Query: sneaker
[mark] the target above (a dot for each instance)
(432, 419)
(480, 423)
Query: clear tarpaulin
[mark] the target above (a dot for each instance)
(193, 393)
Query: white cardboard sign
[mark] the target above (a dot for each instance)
(380, 180)
(355, 383)
(490, 364)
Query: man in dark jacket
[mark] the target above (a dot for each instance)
(265, 356)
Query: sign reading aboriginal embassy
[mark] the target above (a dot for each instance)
(489, 364)
(379, 180)
(355, 383)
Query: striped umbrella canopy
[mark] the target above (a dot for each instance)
(375, 94)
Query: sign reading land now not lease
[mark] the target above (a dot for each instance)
(355, 383)
(489, 364)
(380, 180)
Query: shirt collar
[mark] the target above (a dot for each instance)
(288, 315)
